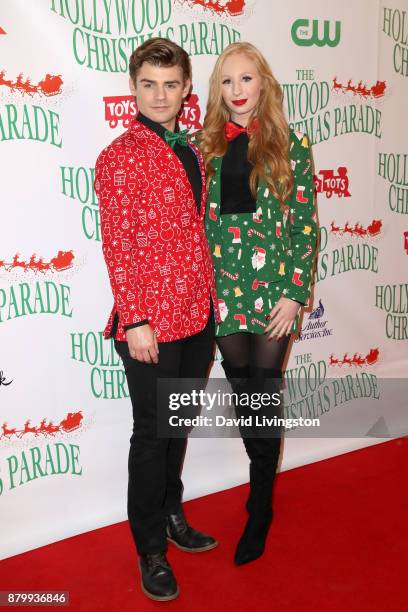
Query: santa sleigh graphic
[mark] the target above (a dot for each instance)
(61, 262)
(357, 360)
(372, 230)
(233, 8)
(362, 90)
(51, 85)
(70, 423)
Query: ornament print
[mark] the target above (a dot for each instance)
(153, 238)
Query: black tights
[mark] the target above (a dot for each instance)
(250, 363)
(255, 351)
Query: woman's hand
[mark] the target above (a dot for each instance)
(281, 317)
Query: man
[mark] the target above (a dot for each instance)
(150, 184)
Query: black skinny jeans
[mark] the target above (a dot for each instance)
(155, 487)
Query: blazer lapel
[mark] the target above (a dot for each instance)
(200, 161)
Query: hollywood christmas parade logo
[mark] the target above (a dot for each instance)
(105, 34)
(328, 109)
(314, 388)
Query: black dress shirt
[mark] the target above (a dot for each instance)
(236, 196)
(186, 155)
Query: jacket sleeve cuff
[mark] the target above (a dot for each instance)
(138, 324)
(296, 295)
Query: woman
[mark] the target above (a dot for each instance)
(261, 226)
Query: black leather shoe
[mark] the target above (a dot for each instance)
(158, 581)
(185, 537)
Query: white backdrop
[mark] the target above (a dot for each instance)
(343, 68)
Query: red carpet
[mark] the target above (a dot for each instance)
(338, 543)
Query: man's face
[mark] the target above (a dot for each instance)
(159, 92)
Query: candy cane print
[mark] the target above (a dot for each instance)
(261, 323)
(229, 275)
(308, 251)
(242, 321)
(236, 232)
(251, 232)
(308, 165)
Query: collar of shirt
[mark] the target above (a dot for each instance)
(153, 125)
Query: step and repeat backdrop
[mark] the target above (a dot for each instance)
(65, 417)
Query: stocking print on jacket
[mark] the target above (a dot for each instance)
(259, 257)
(153, 238)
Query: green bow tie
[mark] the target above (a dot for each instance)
(176, 137)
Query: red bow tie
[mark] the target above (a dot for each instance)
(232, 130)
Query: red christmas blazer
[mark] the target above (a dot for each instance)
(153, 239)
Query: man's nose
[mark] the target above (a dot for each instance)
(160, 92)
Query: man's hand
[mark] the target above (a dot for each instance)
(281, 317)
(143, 344)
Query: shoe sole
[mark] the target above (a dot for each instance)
(157, 597)
(193, 550)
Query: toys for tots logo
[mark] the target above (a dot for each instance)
(329, 183)
(105, 34)
(122, 109)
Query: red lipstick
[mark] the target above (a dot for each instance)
(239, 102)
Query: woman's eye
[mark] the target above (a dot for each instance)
(247, 78)
(226, 81)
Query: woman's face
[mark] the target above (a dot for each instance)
(241, 86)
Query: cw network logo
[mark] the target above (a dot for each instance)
(306, 33)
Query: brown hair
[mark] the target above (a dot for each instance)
(268, 148)
(159, 52)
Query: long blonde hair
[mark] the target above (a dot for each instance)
(268, 148)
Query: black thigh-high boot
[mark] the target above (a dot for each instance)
(263, 451)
